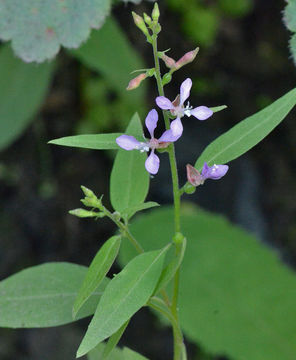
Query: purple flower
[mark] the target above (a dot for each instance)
(128, 142)
(214, 172)
(177, 107)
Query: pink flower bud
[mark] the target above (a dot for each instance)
(134, 83)
(187, 58)
(170, 63)
(193, 176)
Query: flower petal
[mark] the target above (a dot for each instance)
(168, 136)
(185, 90)
(177, 127)
(214, 172)
(127, 142)
(164, 103)
(151, 121)
(152, 163)
(201, 112)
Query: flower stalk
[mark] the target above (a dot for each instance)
(178, 336)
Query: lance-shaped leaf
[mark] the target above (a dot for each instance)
(131, 211)
(127, 292)
(22, 91)
(97, 271)
(113, 340)
(246, 134)
(117, 354)
(129, 180)
(37, 29)
(43, 296)
(95, 142)
(169, 271)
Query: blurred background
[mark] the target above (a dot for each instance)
(244, 62)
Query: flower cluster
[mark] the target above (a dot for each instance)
(177, 111)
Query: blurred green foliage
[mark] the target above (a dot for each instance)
(201, 22)
(236, 297)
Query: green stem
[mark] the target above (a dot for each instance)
(179, 348)
(124, 230)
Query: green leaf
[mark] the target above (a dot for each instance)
(97, 271)
(37, 29)
(109, 52)
(113, 340)
(129, 182)
(292, 45)
(129, 212)
(246, 134)
(169, 271)
(290, 15)
(43, 296)
(22, 91)
(95, 142)
(236, 297)
(129, 354)
(97, 353)
(117, 354)
(126, 293)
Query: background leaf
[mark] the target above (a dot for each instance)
(292, 44)
(38, 28)
(126, 293)
(97, 271)
(290, 15)
(109, 52)
(129, 182)
(22, 91)
(236, 297)
(92, 141)
(247, 133)
(43, 296)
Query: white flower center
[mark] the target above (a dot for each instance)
(142, 147)
(187, 109)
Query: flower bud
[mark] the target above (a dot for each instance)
(82, 213)
(155, 12)
(178, 238)
(87, 192)
(189, 189)
(140, 23)
(134, 83)
(169, 62)
(166, 78)
(193, 176)
(187, 58)
(147, 19)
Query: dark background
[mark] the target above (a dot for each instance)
(246, 65)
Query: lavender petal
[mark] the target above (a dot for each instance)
(177, 127)
(127, 142)
(164, 103)
(152, 163)
(214, 172)
(201, 112)
(185, 90)
(151, 121)
(168, 136)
